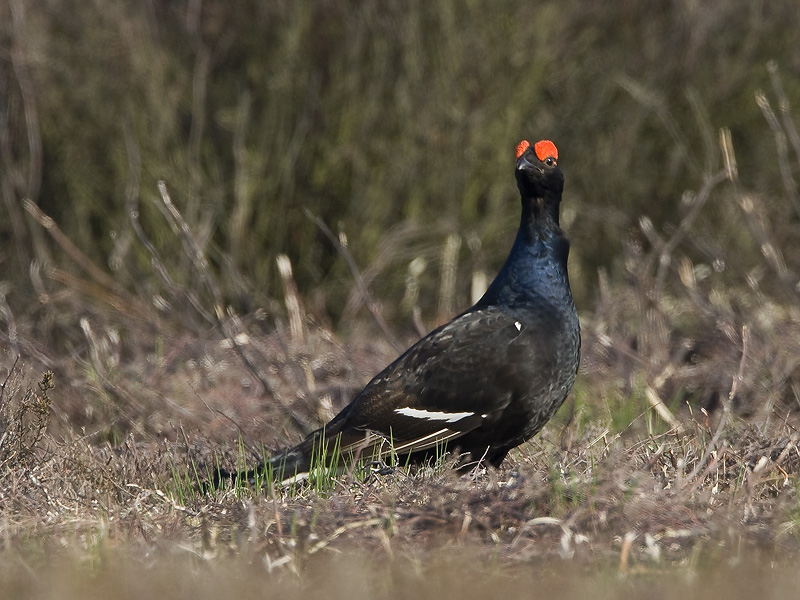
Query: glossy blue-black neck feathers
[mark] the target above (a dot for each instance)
(536, 267)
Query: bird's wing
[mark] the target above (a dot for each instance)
(456, 379)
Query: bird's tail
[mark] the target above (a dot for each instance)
(290, 464)
(320, 452)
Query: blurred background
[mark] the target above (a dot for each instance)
(372, 144)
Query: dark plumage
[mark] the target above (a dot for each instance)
(492, 377)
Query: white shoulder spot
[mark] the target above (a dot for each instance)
(432, 415)
(518, 325)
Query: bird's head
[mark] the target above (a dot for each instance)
(538, 175)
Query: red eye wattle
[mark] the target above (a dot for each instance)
(521, 147)
(545, 149)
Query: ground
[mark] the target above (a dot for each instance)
(596, 502)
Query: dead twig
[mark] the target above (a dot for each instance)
(228, 323)
(696, 202)
(370, 303)
(292, 299)
(726, 411)
(782, 147)
(753, 217)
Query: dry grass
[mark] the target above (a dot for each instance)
(674, 471)
(624, 502)
(679, 454)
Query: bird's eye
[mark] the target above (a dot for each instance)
(550, 161)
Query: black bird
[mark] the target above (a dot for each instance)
(490, 379)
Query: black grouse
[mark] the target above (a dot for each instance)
(489, 379)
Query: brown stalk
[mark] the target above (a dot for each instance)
(369, 302)
(229, 324)
(726, 410)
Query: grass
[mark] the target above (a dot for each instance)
(579, 505)
(230, 250)
(608, 486)
(360, 130)
(620, 509)
(23, 418)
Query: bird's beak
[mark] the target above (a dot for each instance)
(523, 163)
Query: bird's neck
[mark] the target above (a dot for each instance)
(540, 244)
(539, 216)
(537, 263)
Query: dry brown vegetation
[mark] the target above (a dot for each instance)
(605, 501)
(612, 485)
(214, 267)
